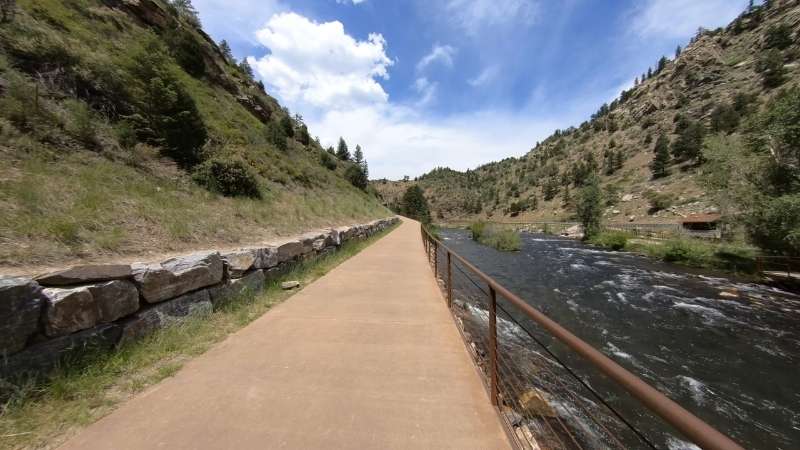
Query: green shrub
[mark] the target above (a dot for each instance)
(187, 51)
(477, 229)
(327, 161)
(612, 240)
(81, 122)
(658, 201)
(505, 240)
(18, 102)
(276, 137)
(774, 225)
(229, 177)
(356, 176)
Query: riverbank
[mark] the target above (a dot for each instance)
(732, 258)
(46, 412)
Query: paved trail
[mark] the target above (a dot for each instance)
(365, 357)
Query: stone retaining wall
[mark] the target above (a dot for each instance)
(102, 306)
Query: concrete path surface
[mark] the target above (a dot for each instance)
(365, 357)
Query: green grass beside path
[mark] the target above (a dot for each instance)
(44, 413)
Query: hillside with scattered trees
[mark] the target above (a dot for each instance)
(126, 129)
(712, 128)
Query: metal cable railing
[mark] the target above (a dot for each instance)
(533, 402)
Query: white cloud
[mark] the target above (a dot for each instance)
(473, 15)
(441, 54)
(355, 2)
(400, 141)
(486, 76)
(681, 18)
(426, 90)
(319, 65)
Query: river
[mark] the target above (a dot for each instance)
(732, 361)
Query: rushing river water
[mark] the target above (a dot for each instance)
(734, 362)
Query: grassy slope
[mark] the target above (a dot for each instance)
(708, 72)
(46, 414)
(63, 201)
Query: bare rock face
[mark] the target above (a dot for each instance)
(176, 276)
(166, 313)
(85, 274)
(45, 355)
(250, 283)
(68, 310)
(21, 302)
(239, 261)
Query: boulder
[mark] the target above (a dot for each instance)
(68, 310)
(250, 283)
(289, 250)
(534, 403)
(266, 257)
(176, 276)
(85, 274)
(341, 235)
(21, 302)
(239, 261)
(163, 314)
(45, 355)
(286, 285)
(627, 197)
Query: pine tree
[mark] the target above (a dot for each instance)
(649, 73)
(414, 205)
(244, 66)
(186, 11)
(662, 63)
(678, 52)
(287, 126)
(226, 50)
(659, 165)
(341, 151)
(358, 155)
(589, 207)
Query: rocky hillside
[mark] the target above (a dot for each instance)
(125, 129)
(708, 88)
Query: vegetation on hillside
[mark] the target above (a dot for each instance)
(125, 129)
(414, 205)
(707, 131)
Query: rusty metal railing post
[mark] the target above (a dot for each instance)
(435, 260)
(449, 281)
(493, 344)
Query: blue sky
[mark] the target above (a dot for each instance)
(427, 83)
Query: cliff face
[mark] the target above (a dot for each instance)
(126, 130)
(716, 81)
